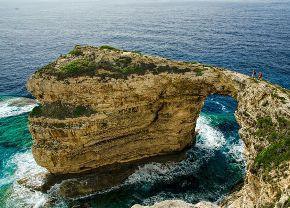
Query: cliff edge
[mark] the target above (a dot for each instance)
(103, 106)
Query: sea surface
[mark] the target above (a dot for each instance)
(240, 35)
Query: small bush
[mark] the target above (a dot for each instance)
(275, 95)
(199, 72)
(123, 61)
(76, 52)
(78, 67)
(283, 122)
(48, 69)
(107, 47)
(274, 155)
(264, 122)
(279, 148)
(131, 70)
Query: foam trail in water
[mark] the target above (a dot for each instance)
(151, 173)
(237, 151)
(211, 138)
(223, 107)
(13, 106)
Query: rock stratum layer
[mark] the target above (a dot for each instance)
(102, 107)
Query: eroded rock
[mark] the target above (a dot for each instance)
(124, 107)
(178, 204)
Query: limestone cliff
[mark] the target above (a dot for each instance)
(103, 106)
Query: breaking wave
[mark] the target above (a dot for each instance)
(211, 137)
(13, 106)
(24, 167)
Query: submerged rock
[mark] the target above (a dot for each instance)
(104, 107)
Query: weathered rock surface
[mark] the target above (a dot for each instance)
(108, 117)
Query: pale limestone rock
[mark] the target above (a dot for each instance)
(178, 204)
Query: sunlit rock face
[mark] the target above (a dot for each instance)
(102, 107)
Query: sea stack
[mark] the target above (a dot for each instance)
(103, 107)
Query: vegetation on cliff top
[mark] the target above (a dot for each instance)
(82, 61)
(109, 48)
(279, 149)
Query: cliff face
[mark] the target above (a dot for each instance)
(102, 106)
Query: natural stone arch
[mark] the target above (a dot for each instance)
(151, 113)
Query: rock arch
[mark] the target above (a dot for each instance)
(151, 113)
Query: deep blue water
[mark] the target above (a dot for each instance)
(238, 35)
(234, 34)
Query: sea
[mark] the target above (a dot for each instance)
(235, 34)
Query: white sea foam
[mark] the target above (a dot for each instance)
(20, 195)
(14, 106)
(237, 151)
(223, 107)
(26, 165)
(151, 173)
(211, 137)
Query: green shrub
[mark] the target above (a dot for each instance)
(275, 95)
(266, 129)
(109, 48)
(283, 122)
(274, 155)
(78, 67)
(274, 136)
(48, 69)
(264, 122)
(123, 61)
(199, 72)
(131, 70)
(279, 148)
(76, 52)
(287, 203)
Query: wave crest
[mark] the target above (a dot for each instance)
(13, 106)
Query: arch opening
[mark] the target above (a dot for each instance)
(218, 133)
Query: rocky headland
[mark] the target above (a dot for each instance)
(104, 107)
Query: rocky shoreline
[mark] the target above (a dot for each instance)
(103, 106)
